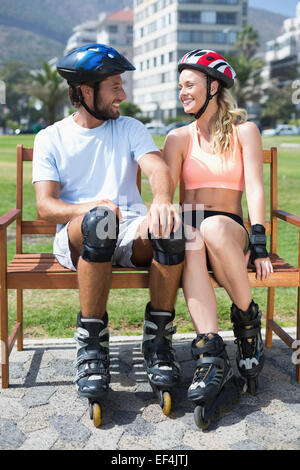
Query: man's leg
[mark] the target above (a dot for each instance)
(92, 240)
(94, 279)
(165, 272)
(164, 279)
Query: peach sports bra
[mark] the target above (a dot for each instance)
(205, 170)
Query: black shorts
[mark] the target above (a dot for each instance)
(190, 218)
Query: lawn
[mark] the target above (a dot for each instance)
(53, 313)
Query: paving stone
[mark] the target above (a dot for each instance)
(40, 440)
(246, 445)
(167, 434)
(69, 428)
(139, 427)
(37, 396)
(105, 438)
(10, 435)
(41, 409)
(11, 409)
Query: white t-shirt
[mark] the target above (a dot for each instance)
(94, 164)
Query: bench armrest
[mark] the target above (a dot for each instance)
(9, 217)
(287, 217)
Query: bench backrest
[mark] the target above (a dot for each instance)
(39, 226)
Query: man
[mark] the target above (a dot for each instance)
(84, 172)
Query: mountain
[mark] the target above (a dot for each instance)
(36, 30)
(268, 24)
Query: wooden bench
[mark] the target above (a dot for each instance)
(42, 271)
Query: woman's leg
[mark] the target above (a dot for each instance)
(225, 241)
(198, 291)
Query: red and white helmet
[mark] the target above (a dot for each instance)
(210, 63)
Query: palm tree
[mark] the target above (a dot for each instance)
(247, 41)
(247, 83)
(49, 87)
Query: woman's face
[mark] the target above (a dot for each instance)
(192, 90)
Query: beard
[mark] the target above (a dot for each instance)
(107, 112)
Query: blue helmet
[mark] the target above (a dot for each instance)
(92, 63)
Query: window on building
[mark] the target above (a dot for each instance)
(226, 17)
(112, 28)
(208, 17)
(189, 17)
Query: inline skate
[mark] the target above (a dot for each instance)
(162, 369)
(247, 330)
(214, 387)
(93, 377)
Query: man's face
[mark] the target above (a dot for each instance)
(110, 95)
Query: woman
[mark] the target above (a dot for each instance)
(220, 155)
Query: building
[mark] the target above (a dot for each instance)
(114, 29)
(164, 30)
(283, 53)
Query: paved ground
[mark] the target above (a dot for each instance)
(41, 409)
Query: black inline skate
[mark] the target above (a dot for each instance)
(214, 387)
(93, 377)
(247, 330)
(160, 361)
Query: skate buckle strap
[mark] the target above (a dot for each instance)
(210, 360)
(209, 348)
(98, 370)
(91, 357)
(247, 329)
(150, 330)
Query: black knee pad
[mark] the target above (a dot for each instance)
(100, 229)
(171, 250)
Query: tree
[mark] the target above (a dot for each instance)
(129, 109)
(49, 87)
(248, 80)
(247, 41)
(16, 107)
(278, 105)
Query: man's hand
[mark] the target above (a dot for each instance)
(163, 219)
(107, 203)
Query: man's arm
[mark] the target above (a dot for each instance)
(50, 207)
(162, 215)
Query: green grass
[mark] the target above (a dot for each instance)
(53, 313)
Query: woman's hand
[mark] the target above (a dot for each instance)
(263, 268)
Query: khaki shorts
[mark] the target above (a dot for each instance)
(123, 252)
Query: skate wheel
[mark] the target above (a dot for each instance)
(95, 414)
(199, 418)
(166, 403)
(252, 385)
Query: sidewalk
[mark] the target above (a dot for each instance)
(41, 409)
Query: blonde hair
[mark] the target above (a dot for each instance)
(227, 116)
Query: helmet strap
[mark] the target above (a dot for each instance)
(94, 112)
(209, 96)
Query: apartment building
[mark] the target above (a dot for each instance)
(114, 29)
(164, 30)
(283, 53)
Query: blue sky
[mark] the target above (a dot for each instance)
(286, 7)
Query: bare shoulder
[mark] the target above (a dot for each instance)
(246, 131)
(179, 136)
